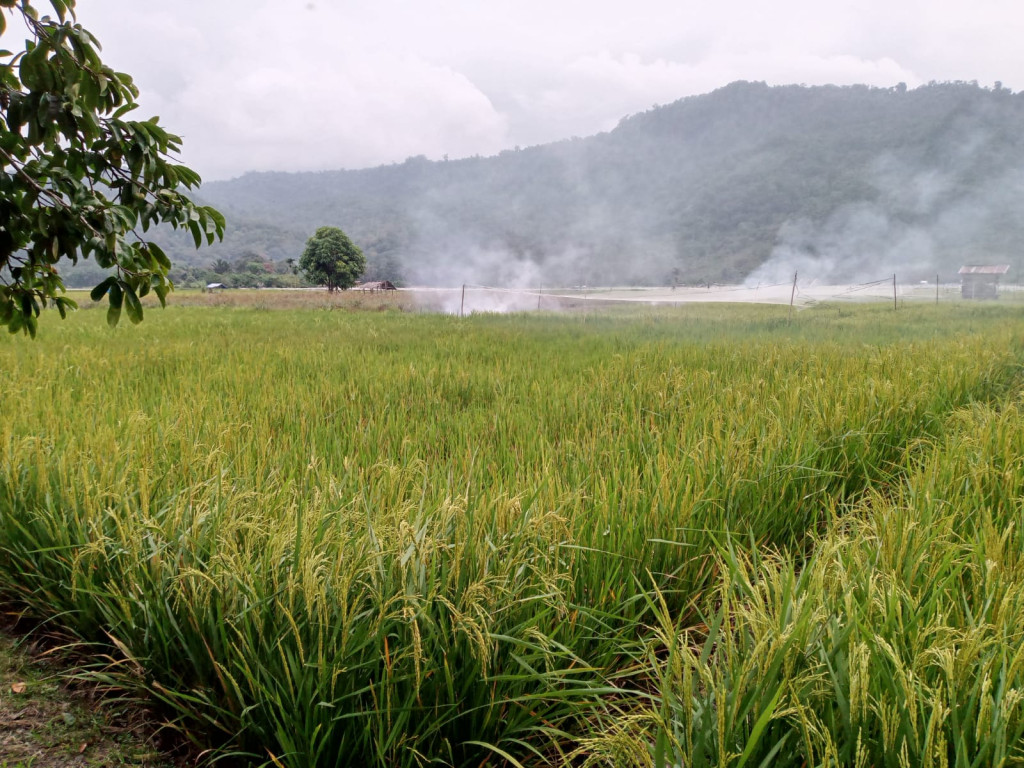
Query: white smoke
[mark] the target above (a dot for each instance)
(858, 243)
(918, 223)
(469, 278)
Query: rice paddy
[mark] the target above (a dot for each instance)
(688, 536)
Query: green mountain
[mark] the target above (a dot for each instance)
(746, 182)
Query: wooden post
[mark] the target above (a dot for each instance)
(894, 293)
(540, 293)
(792, 298)
(462, 306)
(936, 289)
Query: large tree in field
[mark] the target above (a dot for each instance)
(332, 259)
(77, 178)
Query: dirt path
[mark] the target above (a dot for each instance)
(44, 723)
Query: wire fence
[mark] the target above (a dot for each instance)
(797, 294)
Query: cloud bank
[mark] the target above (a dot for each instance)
(326, 84)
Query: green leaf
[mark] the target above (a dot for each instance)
(759, 726)
(133, 305)
(100, 290)
(116, 297)
(218, 219)
(160, 256)
(197, 232)
(161, 290)
(660, 747)
(27, 71)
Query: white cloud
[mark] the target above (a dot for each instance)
(328, 112)
(596, 91)
(302, 84)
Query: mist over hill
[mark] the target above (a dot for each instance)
(749, 182)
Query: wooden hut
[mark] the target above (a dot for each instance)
(981, 281)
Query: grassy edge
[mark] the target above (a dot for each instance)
(49, 719)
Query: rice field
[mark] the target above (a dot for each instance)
(690, 536)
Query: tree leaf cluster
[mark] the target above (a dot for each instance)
(78, 178)
(332, 259)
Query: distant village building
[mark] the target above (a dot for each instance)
(378, 285)
(215, 287)
(981, 281)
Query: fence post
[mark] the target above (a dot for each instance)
(462, 306)
(894, 293)
(792, 298)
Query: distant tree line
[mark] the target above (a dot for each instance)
(247, 271)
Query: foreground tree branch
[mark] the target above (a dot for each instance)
(78, 179)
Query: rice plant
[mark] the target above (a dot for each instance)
(634, 538)
(897, 643)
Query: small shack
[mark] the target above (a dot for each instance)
(981, 281)
(378, 285)
(211, 287)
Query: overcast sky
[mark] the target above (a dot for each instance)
(327, 84)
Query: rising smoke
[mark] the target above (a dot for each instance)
(919, 223)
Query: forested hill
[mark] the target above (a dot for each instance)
(747, 182)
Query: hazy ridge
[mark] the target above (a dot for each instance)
(746, 182)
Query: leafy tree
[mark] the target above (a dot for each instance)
(332, 259)
(77, 179)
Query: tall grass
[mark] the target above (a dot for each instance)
(898, 642)
(409, 539)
